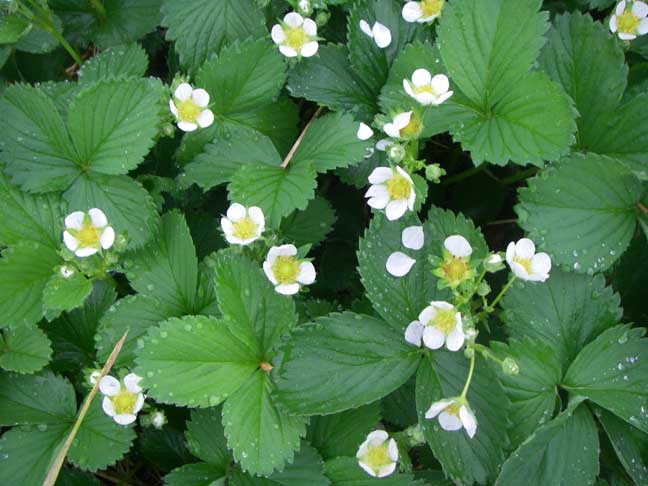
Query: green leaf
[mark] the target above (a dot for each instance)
(113, 123)
(343, 361)
(26, 217)
(64, 294)
(200, 27)
(630, 283)
(35, 145)
(310, 226)
(278, 192)
(127, 21)
(306, 468)
(399, 407)
(612, 371)
(198, 474)
(261, 436)
(251, 308)
(330, 81)
(341, 434)
(582, 211)
(566, 312)
(206, 437)
(119, 62)
(12, 28)
(164, 448)
(442, 375)
(564, 451)
(345, 471)
(533, 391)
(24, 271)
(25, 349)
(193, 361)
(630, 445)
(332, 142)
(128, 206)
(38, 40)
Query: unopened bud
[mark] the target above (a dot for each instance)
(396, 153)
(322, 18)
(510, 366)
(434, 172)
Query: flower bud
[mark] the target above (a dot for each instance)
(510, 366)
(483, 289)
(493, 263)
(396, 153)
(322, 18)
(434, 172)
(305, 7)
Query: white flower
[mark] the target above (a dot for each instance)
(285, 271)
(399, 264)
(629, 22)
(122, 401)
(453, 413)
(391, 190)
(426, 89)
(525, 263)
(364, 132)
(66, 272)
(379, 33)
(86, 234)
(458, 246)
(413, 237)
(438, 324)
(295, 36)
(189, 106)
(158, 419)
(378, 454)
(424, 11)
(405, 125)
(242, 225)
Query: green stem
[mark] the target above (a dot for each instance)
(519, 176)
(70, 50)
(463, 175)
(469, 379)
(487, 353)
(100, 9)
(492, 305)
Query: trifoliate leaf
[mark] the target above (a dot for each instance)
(341, 434)
(310, 226)
(251, 308)
(193, 361)
(343, 361)
(533, 391)
(119, 62)
(36, 148)
(345, 471)
(329, 80)
(200, 27)
(112, 124)
(277, 191)
(206, 437)
(612, 371)
(564, 451)
(582, 211)
(262, 437)
(127, 21)
(65, 293)
(26, 217)
(442, 375)
(630, 445)
(24, 349)
(566, 312)
(127, 205)
(197, 474)
(331, 142)
(24, 272)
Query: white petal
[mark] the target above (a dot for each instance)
(256, 215)
(367, 469)
(125, 418)
(455, 340)
(377, 437)
(399, 264)
(285, 250)
(236, 212)
(364, 132)
(519, 271)
(624, 36)
(541, 264)
(411, 200)
(287, 289)
(408, 88)
(107, 406)
(378, 191)
(413, 237)
(426, 98)
(525, 248)
(109, 386)
(310, 27)
(173, 108)
(445, 96)
(267, 268)
(436, 408)
(227, 226)
(458, 246)
(183, 92)
(306, 274)
(378, 202)
(384, 143)
(440, 83)
(471, 432)
(414, 333)
(131, 382)
(139, 403)
(412, 11)
(467, 418)
(70, 241)
(200, 97)
(74, 220)
(205, 119)
(293, 19)
(449, 421)
(107, 237)
(288, 51)
(97, 217)
(187, 126)
(421, 77)
(309, 49)
(427, 314)
(613, 24)
(380, 175)
(395, 209)
(277, 33)
(382, 35)
(387, 470)
(639, 9)
(392, 130)
(86, 252)
(433, 338)
(620, 8)
(642, 28)
(510, 252)
(363, 449)
(364, 27)
(402, 119)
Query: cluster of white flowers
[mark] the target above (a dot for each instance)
(630, 19)
(122, 400)
(295, 36)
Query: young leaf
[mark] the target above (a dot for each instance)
(261, 436)
(612, 371)
(119, 62)
(24, 349)
(206, 437)
(345, 471)
(310, 226)
(196, 474)
(465, 460)
(65, 293)
(566, 312)
(193, 361)
(343, 361)
(582, 211)
(564, 451)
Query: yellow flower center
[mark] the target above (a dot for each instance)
(124, 402)
(431, 7)
(286, 269)
(398, 187)
(245, 228)
(627, 22)
(525, 262)
(426, 88)
(188, 111)
(87, 236)
(455, 270)
(377, 457)
(453, 408)
(445, 320)
(296, 37)
(413, 128)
